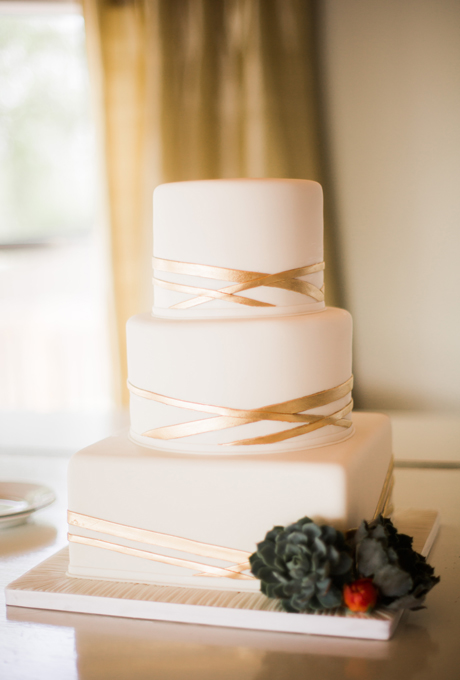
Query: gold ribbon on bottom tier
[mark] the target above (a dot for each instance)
(238, 558)
(291, 411)
(243, 280)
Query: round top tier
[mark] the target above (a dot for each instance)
(238, 248)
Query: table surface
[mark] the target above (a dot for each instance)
(40, 644)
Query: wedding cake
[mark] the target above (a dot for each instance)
(240, 398)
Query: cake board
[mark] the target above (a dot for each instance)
(47, 586)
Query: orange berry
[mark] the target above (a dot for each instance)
(361, 595)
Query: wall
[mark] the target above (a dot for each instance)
(392, 101)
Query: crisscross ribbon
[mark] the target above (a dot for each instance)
(287, 411)
(242, 280)
(239, 559)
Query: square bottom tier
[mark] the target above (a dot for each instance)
(217, 500)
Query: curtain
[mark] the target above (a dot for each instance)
(200, 89)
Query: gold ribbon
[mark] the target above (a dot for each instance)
(384, 505)
(244, 280)
(162, 541)
(185, 545)
(287, 411)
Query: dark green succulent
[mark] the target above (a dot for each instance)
(304, 565)
(402, 575)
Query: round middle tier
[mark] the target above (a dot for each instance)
(203, 386)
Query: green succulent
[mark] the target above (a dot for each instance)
(304, 565)
(402, 575)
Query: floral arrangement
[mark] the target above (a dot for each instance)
(311, 567)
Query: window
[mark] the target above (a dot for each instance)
(54, 342)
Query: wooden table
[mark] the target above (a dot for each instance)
(38, 644)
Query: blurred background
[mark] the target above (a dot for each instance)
(102, 101)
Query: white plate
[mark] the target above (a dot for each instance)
(19, 500)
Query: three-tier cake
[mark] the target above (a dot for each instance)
(241, 407)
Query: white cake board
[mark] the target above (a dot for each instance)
(47, 587)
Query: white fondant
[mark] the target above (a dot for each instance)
(262, 225)
(221, 500)
(241, 364)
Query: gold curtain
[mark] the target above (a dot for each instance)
(195, 89)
